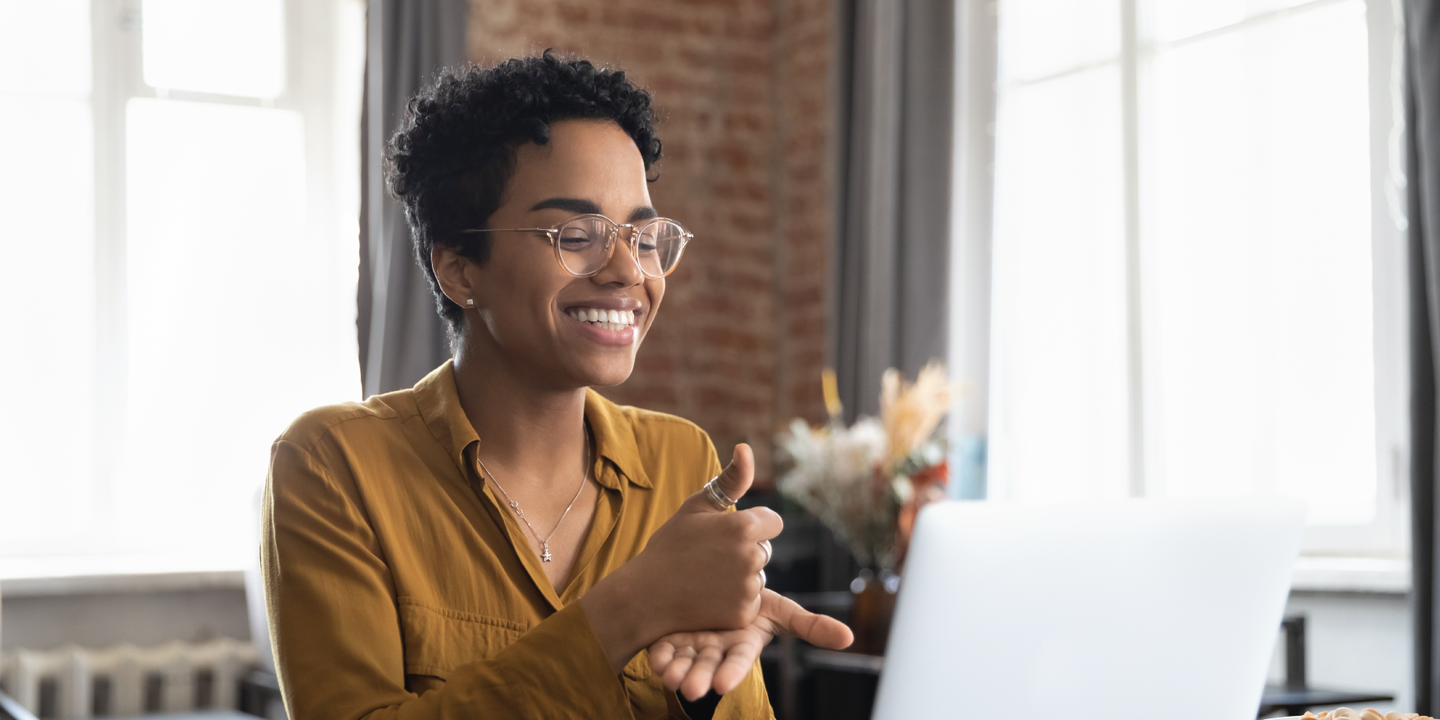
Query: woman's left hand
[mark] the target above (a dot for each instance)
(695, 662)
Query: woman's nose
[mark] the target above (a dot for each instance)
(622, 267)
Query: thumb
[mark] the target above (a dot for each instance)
(788, 617)
(822, 630)
(734, 480)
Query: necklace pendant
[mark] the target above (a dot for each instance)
(545, 556)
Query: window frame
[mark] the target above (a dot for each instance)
(315, 87)
(1386, 536)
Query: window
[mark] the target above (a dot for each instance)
(181, 195)
(1198, 258)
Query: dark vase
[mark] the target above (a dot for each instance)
(874, 607)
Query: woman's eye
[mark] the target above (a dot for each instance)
(573, 240)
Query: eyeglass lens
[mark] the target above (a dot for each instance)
(657, 245)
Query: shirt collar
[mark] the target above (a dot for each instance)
(439, 403)
(614, 441)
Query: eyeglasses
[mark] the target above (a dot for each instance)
(583, 244)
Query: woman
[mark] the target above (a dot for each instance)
(501, 541)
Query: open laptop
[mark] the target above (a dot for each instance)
(1138, 609)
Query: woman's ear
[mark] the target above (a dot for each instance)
(452, 271)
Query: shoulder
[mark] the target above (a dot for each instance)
(652, 427)
(649, 427)
(342, 422)
(322, 457)
(330, 445)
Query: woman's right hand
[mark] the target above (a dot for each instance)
(702, 567)
(699, 571)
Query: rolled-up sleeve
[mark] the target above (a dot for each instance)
(335, 619)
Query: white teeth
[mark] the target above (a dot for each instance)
(608, 319)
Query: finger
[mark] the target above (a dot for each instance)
(661, 653)
(758, 604)
(761, 559)
(736, 478)
(734, 481)
(792, 619)
(738, 661)
(764, 524)
(702, 672)
(679, 668)
(825, 631)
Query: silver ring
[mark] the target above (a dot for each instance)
(716, 496)
(769, 552)
(762, 579)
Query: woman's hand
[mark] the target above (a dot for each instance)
(695, 662)
(699, 570)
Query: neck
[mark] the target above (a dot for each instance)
(532, 435)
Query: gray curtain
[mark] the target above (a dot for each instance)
(897, 91)
(401, 336)
(1422, 122)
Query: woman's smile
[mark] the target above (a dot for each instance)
(612, 321)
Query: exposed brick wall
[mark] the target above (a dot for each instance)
(805, 131)
(744, 92)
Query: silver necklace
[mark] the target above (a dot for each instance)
(545, 541)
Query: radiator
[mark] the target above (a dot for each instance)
(72, 683)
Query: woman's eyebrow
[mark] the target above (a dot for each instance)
(644, 212)
(582, 206)
(575, 205)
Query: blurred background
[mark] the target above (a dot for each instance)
(1161, 245)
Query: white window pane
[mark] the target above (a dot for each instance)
(231, 47)
(45, 47)
(1059, 365)
(1261, 354)
(1176, 19)
(47, 317)
(232, 323)
(1043, 37)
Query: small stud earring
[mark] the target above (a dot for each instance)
(470, 302)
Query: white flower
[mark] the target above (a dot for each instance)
(853, 479)
(833, 477)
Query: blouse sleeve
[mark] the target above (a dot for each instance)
(337, 641)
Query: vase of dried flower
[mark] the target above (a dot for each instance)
(873, 609)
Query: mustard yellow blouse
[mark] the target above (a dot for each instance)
(398, 586)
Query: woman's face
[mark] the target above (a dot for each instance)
(527, 305)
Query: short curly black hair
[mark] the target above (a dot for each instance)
(449, 162)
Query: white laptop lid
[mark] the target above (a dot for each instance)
(1137, 609)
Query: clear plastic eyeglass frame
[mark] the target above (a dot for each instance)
(554, 234)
